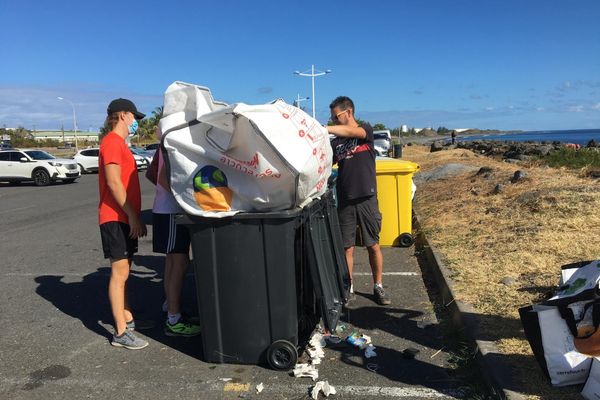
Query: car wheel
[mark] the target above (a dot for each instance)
(83, 170)
(41, 177)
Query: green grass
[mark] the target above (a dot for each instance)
(576, 159)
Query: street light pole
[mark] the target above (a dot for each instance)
(74, 118)
(313, 74)
(298, 100)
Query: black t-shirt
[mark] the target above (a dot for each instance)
(356, 166)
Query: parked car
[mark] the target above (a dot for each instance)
(147, 154)
(88, 160)
(382, 142)
(152, 146)
(5, 146)
(17, 165)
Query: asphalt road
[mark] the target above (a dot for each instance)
(56, 320)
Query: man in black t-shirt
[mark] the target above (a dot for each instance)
(356, 187)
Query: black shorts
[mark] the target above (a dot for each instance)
(364, 213)
(116, 243)
(167, 236)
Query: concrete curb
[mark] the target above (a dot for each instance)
(464, 317)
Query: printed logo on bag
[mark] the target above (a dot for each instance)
(574, 287)
(211, 190)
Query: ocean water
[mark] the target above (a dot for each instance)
(579, 136)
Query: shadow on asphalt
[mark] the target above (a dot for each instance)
(393, 363)
(87, 301)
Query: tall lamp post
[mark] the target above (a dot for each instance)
(299, 99)
(313, 74)
(74, 118)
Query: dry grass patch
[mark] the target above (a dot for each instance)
(524, 233)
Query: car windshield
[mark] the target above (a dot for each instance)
(39, 155)
(381, 136)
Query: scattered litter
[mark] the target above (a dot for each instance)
(437, 352)
(315, 354)
(410, 353)
(372, 367)
(341, 328)
(358, 340)
(370, 351)
(306, 370)
(317, 340)
(225, 379)
(315, 348)
(322, 386)
(259, 387)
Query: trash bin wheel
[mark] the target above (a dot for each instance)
(282, 355)
(406, 240)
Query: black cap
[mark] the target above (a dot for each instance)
(124, 105)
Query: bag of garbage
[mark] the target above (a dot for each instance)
(552, 343)
(222, 159)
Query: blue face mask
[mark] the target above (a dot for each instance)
(133, 127)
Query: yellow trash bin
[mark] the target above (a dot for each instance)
(394, 192)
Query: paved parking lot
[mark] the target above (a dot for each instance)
(56, 320)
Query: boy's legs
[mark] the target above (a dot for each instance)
(176, 267)
(116, 294)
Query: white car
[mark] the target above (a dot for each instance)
(88, 160)
(17, 165)
(146, 154)
(382, 143)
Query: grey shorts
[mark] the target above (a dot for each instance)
(364, 213)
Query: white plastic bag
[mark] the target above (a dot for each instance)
(591, 390)
(566, 366)
(225, 159)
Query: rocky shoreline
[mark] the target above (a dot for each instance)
(510, 150)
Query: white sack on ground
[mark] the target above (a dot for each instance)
(229, 158)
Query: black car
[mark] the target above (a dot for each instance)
(152, 146)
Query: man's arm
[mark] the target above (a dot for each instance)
(113, 180)
(347, 131)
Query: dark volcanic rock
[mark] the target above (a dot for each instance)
(436, 146)
(518, 176)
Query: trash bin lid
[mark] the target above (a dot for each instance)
(386, 164)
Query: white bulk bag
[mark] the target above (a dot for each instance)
(225, 159)
(566, 366)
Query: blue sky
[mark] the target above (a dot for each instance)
(489, 64)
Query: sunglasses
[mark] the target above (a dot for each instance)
(335, 118)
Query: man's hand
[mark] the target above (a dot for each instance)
(136, 227)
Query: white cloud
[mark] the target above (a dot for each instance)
(596, 106)
(540, 109)
(489, 109)
(575, 109)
